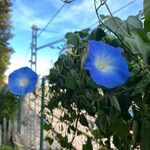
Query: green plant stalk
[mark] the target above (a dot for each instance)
(20, 100)
(42, 115)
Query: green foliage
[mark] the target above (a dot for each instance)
(5, 35)
(88, 145)
(83, 121)
(139, 44)
(49, 140)
(8, 103)
(63, 141)
(73, 91)
(146, 8)
(7, 148)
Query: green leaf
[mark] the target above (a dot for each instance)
(49, 140)
(70, 81)
(114, 27)
(54, 75)
(84, 33)
(67, 117)
(114, 102)
(113, 113)
(147, 24)
(63, 141)
(73, 39)
(146, 8)
(139, 43)
(148, 34)
(121, 143)
(53, 103)
(119, 128)
(101, 122)
(125, 101)
(88, 145)
(47, 127)
(147, 15)
(145, 135)
(134, 22)
(86, 105)
(83, 120)
(96, 134)
(97, 34)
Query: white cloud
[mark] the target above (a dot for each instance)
(56, 4)
(18, 61)
(74, 15)
(79, 15)
(24, 16)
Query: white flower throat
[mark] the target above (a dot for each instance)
(104, 63)
(101, 66)
(23, 82)
(101, 63)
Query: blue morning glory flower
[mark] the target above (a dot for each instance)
(22, 81)
(106, 64)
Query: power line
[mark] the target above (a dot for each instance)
(50, 31)
(51, 43)
(124, 6)
(59, 10)
(116, 11)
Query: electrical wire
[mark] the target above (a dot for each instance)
(116, 11)
(59, 10)
(50, 31)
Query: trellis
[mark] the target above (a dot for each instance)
(34, 115)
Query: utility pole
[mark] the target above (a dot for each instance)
(33, 60)
(35, 48)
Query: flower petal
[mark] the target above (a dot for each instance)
(114, 71)
(99, 48)
(23, 74)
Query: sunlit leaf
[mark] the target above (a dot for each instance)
(114, 102)
(146, 8)
(134, 22)
(114, 22)
(139, 43)
(73, 39)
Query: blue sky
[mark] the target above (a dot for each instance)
(78, 15)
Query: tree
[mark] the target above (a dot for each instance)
(5, 36)
(7, 100)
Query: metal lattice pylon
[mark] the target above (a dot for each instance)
(34, 48)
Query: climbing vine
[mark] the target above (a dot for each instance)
(119, 115)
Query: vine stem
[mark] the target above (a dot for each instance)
(101, 22)
(116, 21)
